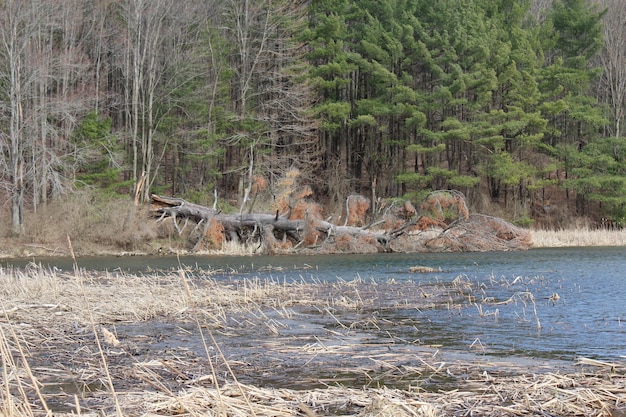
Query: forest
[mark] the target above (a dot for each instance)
(517, 104)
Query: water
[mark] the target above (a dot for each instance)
(513, 313)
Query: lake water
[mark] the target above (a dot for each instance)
(588, 319)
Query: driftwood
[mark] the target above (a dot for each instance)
(177, 207)
(400, 229)
(269, 228)
(480, 233)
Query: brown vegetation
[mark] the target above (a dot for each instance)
(481, 233)
(578, 236)
(95, 226)
(99, 226)
(303, 225)
(214, 234)
(114, 345)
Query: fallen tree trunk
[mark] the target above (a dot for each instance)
(404, 231)
(177, 207)
(269, 228)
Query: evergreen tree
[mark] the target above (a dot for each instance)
(97, 154)
(575, 119)
(331, 67)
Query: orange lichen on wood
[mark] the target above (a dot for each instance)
(344, 243)
(393, 223)
(311, 235)
(281, 205)
(409, 209)
(447, 205)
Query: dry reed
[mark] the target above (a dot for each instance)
(598, 393)
(47, 311)
(577, 237)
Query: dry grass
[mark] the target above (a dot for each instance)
(95, 225)
(233, 248)
(120, 297)
(487, 395)
(578, 237)
(71, 318)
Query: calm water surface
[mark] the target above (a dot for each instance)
(587, 320)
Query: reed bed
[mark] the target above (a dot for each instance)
(590, 392)
(63, 354)
(578, 237)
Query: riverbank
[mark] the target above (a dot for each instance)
(115, 344)
(15, 248)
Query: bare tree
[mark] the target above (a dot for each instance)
(150, 26)
(292, 135)
(42, 93)
(268, 93)
(539, 8)
(249, 27)
(60, 92)
(15, 33)
(613, 61)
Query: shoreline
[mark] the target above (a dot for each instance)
(579, 237)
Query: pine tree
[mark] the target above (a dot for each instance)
(575, 119)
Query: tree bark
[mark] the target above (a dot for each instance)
(280, 227)
(469, 232)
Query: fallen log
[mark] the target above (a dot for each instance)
(177, 207)
(263, 226)
(405, 230)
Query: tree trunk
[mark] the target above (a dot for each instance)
(280, 227)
